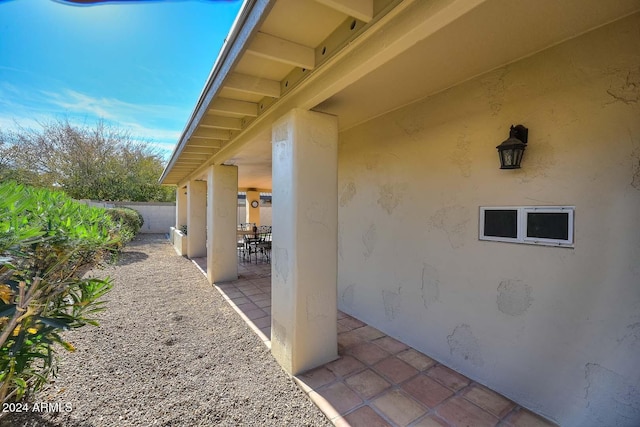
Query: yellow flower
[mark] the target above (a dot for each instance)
(70, 347)
(5, 294)
(16, 331)
(32, 330)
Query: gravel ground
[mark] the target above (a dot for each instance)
(169, 352)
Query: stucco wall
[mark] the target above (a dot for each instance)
(265, 214)
(555, 329)
(158, 217)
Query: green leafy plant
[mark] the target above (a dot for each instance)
(129, 221)
(47, 243)
(100, 162)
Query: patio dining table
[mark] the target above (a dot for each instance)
(252, 240)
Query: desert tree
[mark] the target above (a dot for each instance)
(100, 162)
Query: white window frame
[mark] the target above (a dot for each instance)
(481, 235)
(521, 218)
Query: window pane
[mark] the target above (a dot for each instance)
(501, 223)
(548, 225)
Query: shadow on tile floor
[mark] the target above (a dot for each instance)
(377, 380)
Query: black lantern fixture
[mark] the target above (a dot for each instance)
(511, 150)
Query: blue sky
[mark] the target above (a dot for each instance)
(138, 65)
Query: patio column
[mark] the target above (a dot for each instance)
(181, 207)
(304, 255)
(253, 214)
(196, 219)
(222, 222)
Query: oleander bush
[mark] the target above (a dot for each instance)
(47, 243)
(127, 220)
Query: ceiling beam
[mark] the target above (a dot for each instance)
(219, 122)
(205, 155)
(359, 9)
(189, 167)
(200, 147)
(186, 156)
(253, 85)
(199, 150)
(280, 50)
(247, 23)
(187, 161)
(211, 133)
(233, 106)
(398, 30)
(204, 143)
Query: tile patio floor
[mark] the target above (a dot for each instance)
(377, 380)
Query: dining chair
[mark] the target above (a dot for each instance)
(264, 243)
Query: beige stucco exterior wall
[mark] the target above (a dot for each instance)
(555, 329)
(265, 214)
(159, 217)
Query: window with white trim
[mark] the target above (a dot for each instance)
(533, 225)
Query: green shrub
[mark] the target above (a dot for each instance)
(129, 221)
(47, 243)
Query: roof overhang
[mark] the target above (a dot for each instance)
(357, 59)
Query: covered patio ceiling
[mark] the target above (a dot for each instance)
(357, 59)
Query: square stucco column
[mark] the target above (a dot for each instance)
(181, 207)
(222, 222)
(196, 219)
(253, 214)
(304, 254)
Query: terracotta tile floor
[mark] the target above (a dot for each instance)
(377, 380)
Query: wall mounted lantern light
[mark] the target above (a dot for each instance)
(511, 150)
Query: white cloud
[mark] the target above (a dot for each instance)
(29, 122)
(110, 108)
(27, 108)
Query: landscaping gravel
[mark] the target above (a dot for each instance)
(169, 352)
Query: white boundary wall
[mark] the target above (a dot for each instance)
(159, 217)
